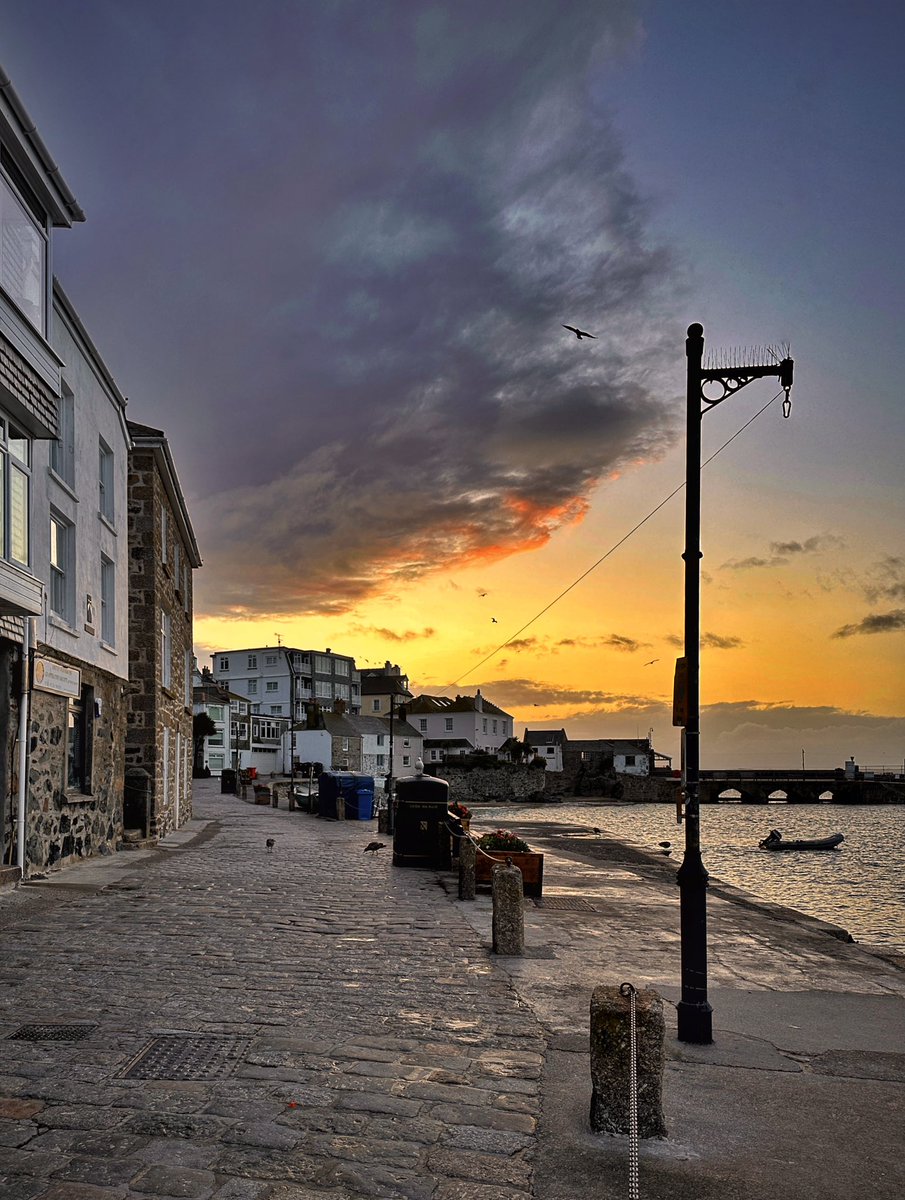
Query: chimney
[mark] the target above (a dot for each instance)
(339, 707)
(478, 701)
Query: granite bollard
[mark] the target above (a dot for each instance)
(611, 1061)
(508, 910)
(467, 855)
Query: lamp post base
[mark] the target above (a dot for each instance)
(695, 1022)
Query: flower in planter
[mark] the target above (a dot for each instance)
(460, 810)
(503, 839)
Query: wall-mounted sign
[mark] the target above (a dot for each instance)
(50, 676)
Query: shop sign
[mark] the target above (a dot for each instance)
(50, 676)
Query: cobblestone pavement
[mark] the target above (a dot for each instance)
(364, 1042)
(311, 1023)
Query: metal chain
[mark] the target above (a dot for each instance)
(627, 989)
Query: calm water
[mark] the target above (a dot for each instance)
(860, 887)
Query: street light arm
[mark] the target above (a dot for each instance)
(733, 379)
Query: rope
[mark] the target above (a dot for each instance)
(628, 990)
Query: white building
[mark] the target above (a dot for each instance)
(548, 745)
(454, 727)
(269, 676)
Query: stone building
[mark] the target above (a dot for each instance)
(162, 555)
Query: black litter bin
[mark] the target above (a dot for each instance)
(228, 781)
(422, 836)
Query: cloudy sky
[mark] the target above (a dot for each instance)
(330, 248)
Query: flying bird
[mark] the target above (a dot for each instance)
(270, 843)
(494, 621)
(652, 661)
(374, 846)
(579, 333)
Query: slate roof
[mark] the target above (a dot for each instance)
(446, 704)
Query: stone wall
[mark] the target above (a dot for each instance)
(63, 824)
(491, 785)
(159, 718)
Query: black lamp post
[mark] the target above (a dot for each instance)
(694, 1010)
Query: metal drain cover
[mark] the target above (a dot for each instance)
(51, 1033)
(186, 1056)
(566, 903)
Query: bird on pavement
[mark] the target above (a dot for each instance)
(579, 333)
(270, 843)
(596, 830)
(375, 846)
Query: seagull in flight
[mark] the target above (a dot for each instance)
(652, 661)
(579, 333)
(494, 621)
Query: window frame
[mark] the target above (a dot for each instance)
(62, 573)
(105, 478)
(108, 600)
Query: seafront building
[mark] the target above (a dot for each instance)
(283, 681)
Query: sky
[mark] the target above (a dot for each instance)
(330, 248)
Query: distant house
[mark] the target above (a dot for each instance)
(283, 681)
(460, 725)
(363, 744)
(217, 751)
(622, 756)
(548, 745)
(382, 687)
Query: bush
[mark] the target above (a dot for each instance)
(503, 839)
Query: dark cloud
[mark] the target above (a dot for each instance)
(886, 580)
(361, 229)
(709, 641)
(888, 622)
(782, 552)
(392, 635)
(616, 641)
(528, 692)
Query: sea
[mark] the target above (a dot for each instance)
(860, 886)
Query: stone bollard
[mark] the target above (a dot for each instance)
(508, 910)
(383, 820)
(611, 1065)
(467, 855)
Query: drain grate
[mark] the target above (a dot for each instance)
(51, 1033)
(186, 1056)
(566, 903)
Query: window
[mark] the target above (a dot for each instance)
(252, 662)
(166, 649)
(341, 666)
(177, 564)
(62, 451)
(62, 567)
(224, 663)
(79, 742)
(380, 739)
(434, 754)
(276, 710)
(108, 601)
(342, 691)
(375, 706)
(422, 724)
(105, 480)
(406, 742)
(215, 762)
(322, 665)
(270, 660)
(551, 750)
(187, 678)
(252, 687)
(164, 548)
(485, 725)
(15, 489)
(215, 712)
(323, 691)
(406, 760)
(448, 724)
(629, 760)
(273, 685)
(381, 760)
(23, 253)
(345, 744)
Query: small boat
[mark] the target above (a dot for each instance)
(775, 841)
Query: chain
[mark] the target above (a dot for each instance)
(628, 990)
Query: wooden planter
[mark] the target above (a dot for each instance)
(529, 862)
